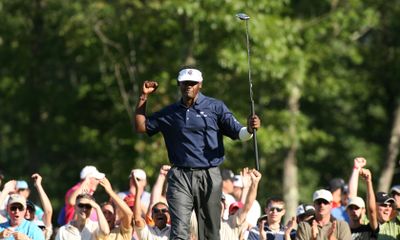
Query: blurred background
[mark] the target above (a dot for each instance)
(325, 80)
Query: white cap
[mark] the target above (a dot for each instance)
(237, 181)
(91, 171)
(139, 174)
(323, 194)
(16, 198)
(356, 201)
(190, 74)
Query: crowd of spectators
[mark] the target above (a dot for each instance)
(334, 212)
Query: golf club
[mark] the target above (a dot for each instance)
(245, 17)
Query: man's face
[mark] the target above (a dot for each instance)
(322, 207)
(83, 208)
(384, 211)
(275, 212)
(227, 186)
(160, 215)
(190, 89)
(16, 211)
(108, 212)
(355, 213)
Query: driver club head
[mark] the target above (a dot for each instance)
(242, 16)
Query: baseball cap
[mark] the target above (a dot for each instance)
(395, 189)
(322, 194)
(227, 174)
(234, 206)
(190, 74)
(30, 204)
(16, 198)
(21, 184)
(336, 183)
(305, 209)
(139, 174)
(382, 197)
(356, 201)
(237, 181)
(91, 171)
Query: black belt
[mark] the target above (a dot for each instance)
(194, 168)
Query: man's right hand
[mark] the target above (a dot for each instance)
(149, 87)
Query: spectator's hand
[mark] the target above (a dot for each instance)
(139, 184)
(94, 204)
(253, 122)
(37, 179)
(314, 229)
(10, 186)
(366, 174)
(246, 178)
(149, 87)
(20, 236)
(85, 186)
(291, 224)
(6, 233)
(164, 170)
(106, 184)
(261, 229)
(359, 162)
(332, 231)
(255, 176)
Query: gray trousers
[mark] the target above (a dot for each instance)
(198, 189)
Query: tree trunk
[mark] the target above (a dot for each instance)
(393, 151)
(290, 189)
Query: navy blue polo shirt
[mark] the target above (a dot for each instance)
(193, 136)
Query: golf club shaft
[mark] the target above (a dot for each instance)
(257, 162)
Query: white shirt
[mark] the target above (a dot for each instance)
(153, 233)
(70, 232)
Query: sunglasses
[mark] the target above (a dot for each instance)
(160, 210)
(321, 201)
(85, 206)
(271, 209)
(385, 205)
(15, 207)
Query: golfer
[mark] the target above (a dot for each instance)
(193, 129)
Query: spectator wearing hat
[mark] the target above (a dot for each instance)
(305, 213)
(227, 188)
(234, 227)
(22, 188)
(124, 230)
(324, 226)
(272, 228)
(81, 227)
(395, 193)
(17, 227)
(239, 193)
(160, 216)
(131, 192)
(193, 130)
(90, 178)
(388, 228)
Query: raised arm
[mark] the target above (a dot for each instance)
(255, 179)
(44, 199)
(102, 221)
(246, 179)
(359, 163)
(371, 201)
(9, 187)
(137, 212)
(157, 189)
(127, 214)
(83, 188)
(140, 112)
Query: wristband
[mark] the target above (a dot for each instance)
(143, 97)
